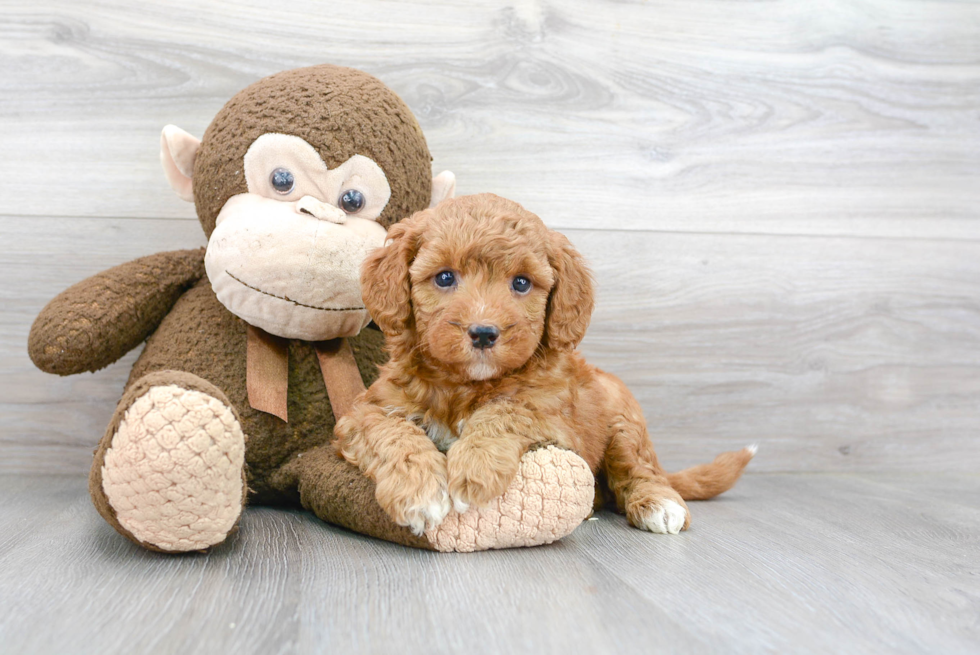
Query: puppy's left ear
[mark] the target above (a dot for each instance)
(385, 285)
(572, 298)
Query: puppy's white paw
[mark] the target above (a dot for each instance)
(460, 505)
(667, 517)
(428, 514)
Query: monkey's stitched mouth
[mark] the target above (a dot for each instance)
(295, 302)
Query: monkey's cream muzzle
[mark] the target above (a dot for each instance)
(285, 257)
(288, 272)
(323, 210)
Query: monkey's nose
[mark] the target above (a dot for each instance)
(483, 336)
(323, 211)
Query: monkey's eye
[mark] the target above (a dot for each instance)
(445, 279)
(352, 201)
(521, 284)
(282, 181)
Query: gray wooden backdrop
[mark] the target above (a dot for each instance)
(779, 199)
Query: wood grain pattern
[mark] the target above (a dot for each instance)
(833, 354)
(779, 199)
(780, 204)
(784, 563)
(839, 118)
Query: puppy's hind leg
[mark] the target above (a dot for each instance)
(635, 477)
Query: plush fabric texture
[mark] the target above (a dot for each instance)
(95, 322)
(336, 492)
(192, 370)
(177, 152)
(173, 471)
(199, 336)
(320, 298)
(551, 494)
(312, 179)
(136, 390)
(340, 111)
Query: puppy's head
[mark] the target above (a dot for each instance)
(477, 284)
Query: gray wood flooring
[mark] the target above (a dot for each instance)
(816, 563)
(779, 200)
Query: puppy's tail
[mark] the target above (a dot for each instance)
(708, 480)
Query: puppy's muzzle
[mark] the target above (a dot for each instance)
(483, 336)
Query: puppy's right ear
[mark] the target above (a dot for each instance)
(572, 298)
(385, 285)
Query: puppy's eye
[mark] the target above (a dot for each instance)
(521, 284)
(282, 181)
(352, 201)
(445, 279)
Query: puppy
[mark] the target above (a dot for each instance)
(483, 306)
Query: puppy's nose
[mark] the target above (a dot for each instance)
(483, 336)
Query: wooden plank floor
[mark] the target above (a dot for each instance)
(780, 202)
(818, 563)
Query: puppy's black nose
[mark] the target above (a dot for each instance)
(483, 336)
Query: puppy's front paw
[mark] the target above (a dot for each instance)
(660, 510)
(477, 475)
(415, 495)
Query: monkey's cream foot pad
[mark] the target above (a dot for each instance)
(173, 472)
(551, 495)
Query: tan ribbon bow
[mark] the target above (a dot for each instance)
(267, 373)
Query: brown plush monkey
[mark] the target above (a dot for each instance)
(254, 345)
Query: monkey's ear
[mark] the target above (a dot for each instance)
(177, 152)
(443, 186)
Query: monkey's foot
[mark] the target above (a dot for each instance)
(169, 473)
(550, 496)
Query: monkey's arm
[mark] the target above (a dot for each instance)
(95, 322)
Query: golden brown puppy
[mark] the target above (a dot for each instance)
(483, 306)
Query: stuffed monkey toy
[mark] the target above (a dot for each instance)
(256, 343)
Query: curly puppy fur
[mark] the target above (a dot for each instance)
(485, 368)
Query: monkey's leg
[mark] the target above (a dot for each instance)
(549, 497)
(169, 474)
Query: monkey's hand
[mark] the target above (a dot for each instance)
(95, 322)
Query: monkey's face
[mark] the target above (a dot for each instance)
(297, 179)
(286, 255)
